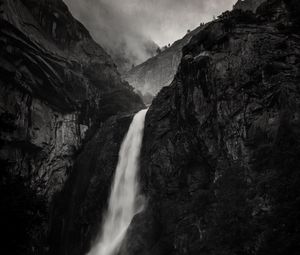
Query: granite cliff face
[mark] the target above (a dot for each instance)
(157, 72)
(77, 211)
(220, 163)
(56, 88)
(220, 157)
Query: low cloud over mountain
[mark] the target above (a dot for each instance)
(128, 28)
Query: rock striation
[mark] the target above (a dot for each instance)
(220, 164)
(77, 211)
(220, 156)
(56, 88)
(157, 72)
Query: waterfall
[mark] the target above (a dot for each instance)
(124, 198)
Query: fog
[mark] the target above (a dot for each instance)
(129, 26)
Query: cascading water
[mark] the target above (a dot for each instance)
(123, 201)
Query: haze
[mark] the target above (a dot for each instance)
(127, 26)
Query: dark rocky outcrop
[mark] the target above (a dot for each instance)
(159, 71)
(220, 157)
(220, 164)
(56, 88)
(77, 211)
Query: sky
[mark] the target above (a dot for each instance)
(128, 24)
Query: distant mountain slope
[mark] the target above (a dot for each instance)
(125, 59)
(158, 71)
(115, 30)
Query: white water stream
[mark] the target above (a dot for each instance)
(123, 202)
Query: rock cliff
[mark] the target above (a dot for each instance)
(77, 211)
(220, 156)
(220, 163)
(56, 88)
(157, 72)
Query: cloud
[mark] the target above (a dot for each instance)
(125, 26)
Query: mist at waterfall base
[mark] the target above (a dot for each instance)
(125, 201)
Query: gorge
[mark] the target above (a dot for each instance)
(125, 201)
(216, 156)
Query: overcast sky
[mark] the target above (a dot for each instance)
(112, 22)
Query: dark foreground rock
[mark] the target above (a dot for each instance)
(56, 88)
(220, 157)
(220, 164)
(77, 211)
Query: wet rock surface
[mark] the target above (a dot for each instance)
(220, 158)
(56, 88)
(78, 210)
(159, 71)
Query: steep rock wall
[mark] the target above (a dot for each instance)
(56, 88)
(221, 147)
(220, 153)
(77, 212)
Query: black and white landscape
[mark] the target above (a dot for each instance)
(146, 127)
